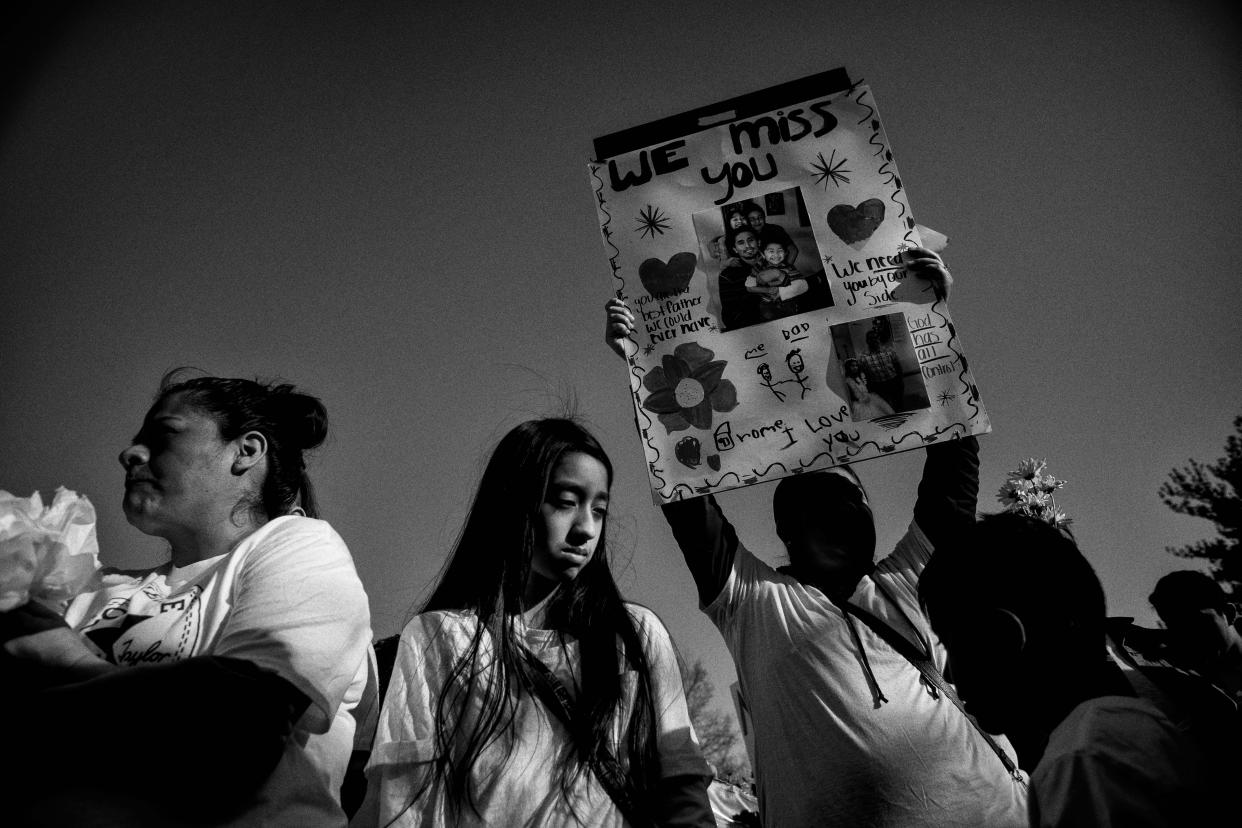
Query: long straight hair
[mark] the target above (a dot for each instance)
(486, 576)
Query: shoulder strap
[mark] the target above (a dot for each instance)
(932, 677)
(549, 689)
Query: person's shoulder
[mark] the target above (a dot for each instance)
(298, 526)
(291, 544)
(1137, 706)
(454, 625)
(435, 640)
(643, 616)
(293, 532)
(651, 628)
(760, 581)
(1090, 725)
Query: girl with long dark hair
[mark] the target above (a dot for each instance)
(527, 692)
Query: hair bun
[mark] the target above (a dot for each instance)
(304, 417)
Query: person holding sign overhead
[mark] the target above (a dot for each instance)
(853, 723)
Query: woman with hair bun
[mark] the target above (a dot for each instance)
(252, 643)
(527, 692)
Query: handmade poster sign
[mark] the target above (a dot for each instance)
(758, 243)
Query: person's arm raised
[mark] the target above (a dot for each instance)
(949, 491)
(707, 541)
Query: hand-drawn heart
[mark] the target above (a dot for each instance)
(713, 460)
(854, 225)
(689, 451)
(660, 279)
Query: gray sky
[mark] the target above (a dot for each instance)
(388, 204)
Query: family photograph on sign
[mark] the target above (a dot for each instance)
(767, 259)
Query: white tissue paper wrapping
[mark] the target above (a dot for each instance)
(47, 554)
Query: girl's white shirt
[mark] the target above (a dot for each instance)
(521, 786)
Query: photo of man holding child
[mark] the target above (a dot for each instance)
(759, 278)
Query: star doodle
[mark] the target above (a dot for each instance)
(830, 170)
(944, 397)
(651, 221)
(649, 349)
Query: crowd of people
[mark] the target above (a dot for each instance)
(963, 679)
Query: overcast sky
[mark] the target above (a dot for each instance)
(387, 203)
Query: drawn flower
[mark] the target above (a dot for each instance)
(1028, 491)
(687, 387)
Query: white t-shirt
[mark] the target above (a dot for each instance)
(287, 599)
(523, 790)
(1117, 760)
(826, 753)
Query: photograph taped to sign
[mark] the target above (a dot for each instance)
(758, 243)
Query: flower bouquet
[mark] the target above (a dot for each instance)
(47, 554)
(1028, 491)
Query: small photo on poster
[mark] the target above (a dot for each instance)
(762, 258)
(879, 367)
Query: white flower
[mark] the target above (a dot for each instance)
(1028, 491)
(1008, 494)
(1049, 484)
(1033, 502)
(1029, 468)
(46, 554)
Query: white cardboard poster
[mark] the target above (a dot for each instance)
(776, 330)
